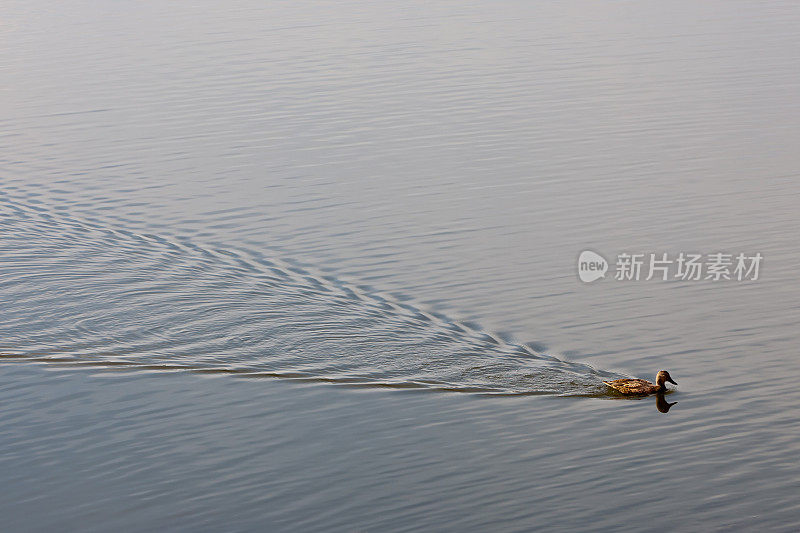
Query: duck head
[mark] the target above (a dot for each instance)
(662, 377)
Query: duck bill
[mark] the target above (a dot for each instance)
(673, 382)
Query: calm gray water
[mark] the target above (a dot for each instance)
(269, 266)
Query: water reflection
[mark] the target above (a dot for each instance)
(662, 404)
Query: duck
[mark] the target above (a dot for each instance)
(641, 387)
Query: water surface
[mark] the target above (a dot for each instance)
(339, 212)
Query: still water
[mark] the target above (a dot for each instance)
(269, 266)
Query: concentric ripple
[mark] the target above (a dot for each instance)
(77, 291)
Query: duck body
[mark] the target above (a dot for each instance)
(634, 386)
(641, 387)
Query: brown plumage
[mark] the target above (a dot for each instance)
(640, 387)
